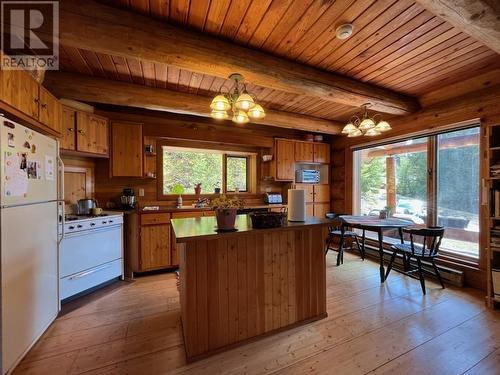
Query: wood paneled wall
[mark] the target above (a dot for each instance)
(197, 132)
(79, 180)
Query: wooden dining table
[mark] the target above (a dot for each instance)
(373, 224)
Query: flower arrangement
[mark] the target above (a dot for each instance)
(224, 202)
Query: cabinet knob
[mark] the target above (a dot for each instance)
(44, 105)
(36, 100)
(81, 132)
(71, 129)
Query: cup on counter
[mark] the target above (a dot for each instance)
(96, 211)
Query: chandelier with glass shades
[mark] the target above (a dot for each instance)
(365, 125)
(236, 99)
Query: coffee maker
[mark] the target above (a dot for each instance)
(128, 199)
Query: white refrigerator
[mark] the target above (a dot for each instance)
(30, 211)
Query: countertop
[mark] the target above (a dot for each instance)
(192, 229)
(192, 208)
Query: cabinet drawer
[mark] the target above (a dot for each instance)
(180, 215)
(150, 219)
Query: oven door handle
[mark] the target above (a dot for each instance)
(90, 272)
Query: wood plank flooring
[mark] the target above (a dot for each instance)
(135, 328)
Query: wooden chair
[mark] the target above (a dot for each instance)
(426, 251)
(335, 232)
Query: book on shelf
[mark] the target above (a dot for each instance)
(495, 170)
(495, 203)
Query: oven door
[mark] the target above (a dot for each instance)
(87, 249)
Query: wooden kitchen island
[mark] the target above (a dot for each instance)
(240, 285)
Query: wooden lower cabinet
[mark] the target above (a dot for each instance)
(148, 242)
(317, 199)
(155, 246)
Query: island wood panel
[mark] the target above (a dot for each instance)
(240, 287)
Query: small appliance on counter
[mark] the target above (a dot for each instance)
(273, 198)
(128, 199)
(85, 206)
(307, 176)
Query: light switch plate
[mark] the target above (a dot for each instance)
(141, 192)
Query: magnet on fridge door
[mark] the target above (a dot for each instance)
(10, 140)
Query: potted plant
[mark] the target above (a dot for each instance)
(197, 188)
(225, 211)
(179, 190)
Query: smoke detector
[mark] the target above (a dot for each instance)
(344, 31)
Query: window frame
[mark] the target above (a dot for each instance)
(432, 183)
(251, 163)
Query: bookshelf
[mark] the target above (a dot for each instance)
(493, 230)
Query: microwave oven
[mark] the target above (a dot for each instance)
(307, 176)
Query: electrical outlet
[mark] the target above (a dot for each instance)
(141, 192)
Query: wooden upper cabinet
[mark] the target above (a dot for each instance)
(304, 152)
(68, 122)
(98, 127)
(285, 160)
(84, 133)
(26, 94)
(321, 153)
(126, 149)
(50, 110)
(322, 193)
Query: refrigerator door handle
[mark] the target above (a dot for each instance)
(61, 198)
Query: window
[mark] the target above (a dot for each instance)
(188, 167)
(430, 180)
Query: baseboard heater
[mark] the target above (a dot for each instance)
(449, 275)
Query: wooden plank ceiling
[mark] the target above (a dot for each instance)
(396, 44)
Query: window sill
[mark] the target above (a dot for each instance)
(243, 195)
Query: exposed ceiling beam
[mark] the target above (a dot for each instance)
(478, 18)
(96, 27)
(99, 90)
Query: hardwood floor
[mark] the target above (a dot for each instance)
(135, 328)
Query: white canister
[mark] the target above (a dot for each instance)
(296, 205)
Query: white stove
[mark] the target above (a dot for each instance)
(90, 253)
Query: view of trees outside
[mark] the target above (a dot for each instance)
(189, 168)
(457, 185)
(236, 173)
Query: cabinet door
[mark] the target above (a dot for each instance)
(309, 191)
(126, 149)
(322, 153)
(68, 135)
(320, 209)
(25, 95)
(304, 152)
(7, 82)
(285, 160)
(181, 215)
(84, 133)
(321, 193)
(155, 246)
(102, 146)
(49, 110)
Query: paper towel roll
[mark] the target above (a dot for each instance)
(296, 205)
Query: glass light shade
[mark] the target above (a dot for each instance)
(219, 115)
(366, 124)
(244, 102)
(240, 117)
(349, 128)
(257, 111)
(220, 103)
(383, 126)
(355, 133)
(372, 132)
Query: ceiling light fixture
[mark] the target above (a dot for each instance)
(344, 31)
(237, 99)
(365, 125)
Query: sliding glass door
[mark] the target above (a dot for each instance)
(431, 180)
